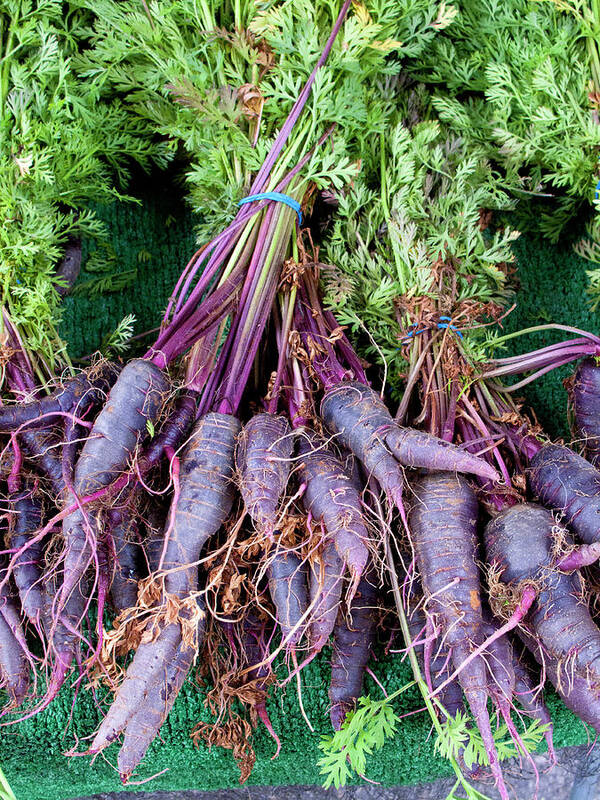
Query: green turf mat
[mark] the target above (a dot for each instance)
(157, 240)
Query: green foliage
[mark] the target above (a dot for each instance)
(119, 340)
(106, 277)
(216, 80)
(459, 735)
(419, 236)
(374, 721)
(364, 730)
(512, 77)
(61, 147)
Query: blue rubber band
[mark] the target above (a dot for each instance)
(279, 197)
(445, 322)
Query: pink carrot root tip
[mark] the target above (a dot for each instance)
(582, 556)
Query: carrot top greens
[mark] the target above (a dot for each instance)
(61, 147)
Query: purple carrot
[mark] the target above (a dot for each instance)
(87, 387)
(125, 547)
(27, 569)
(256, 652)
(14, 667)
(566, 482)
(137, 397)
(42, 448)
(558, 629)
(362, 423)
(287, 575)
(332, 498)
(586, 403)
(443, 525)
(158, 702)
(199, 508)
(172, 433)
(262, 455)
(353, 638)
(325, 583)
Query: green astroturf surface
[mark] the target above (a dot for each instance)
(157, 239)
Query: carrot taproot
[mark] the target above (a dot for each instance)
(88, 387)
(136, 398)
(204, 501)
(287, 576)
(27, 570)
(325, 582)
(353, 638)
(443, 525)
(362, 423)
(566, 482)
(559, 630)
(332, 498)
(262, 457)
(586, 405)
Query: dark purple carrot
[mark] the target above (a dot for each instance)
(14, 666)
(325, 583)
(353, 638)
(262, 456)
(520, 543)
(27, 569)
(89, 387)
(149, 664)
(205, 499)
(443, 526)
(566, 482)
(154, 541)
(332, 499)
(147, 720)
(531, 700)
(172, 432)
(43, 449)
(287, 574)
(256, 652)
(135, 398)
(203, 503)
(362, 423)
(126, 550)
(586, 403)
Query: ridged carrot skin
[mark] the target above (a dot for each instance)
(27, 571)
(77, 390)
(558, 629)
(205, 500)
(353, 637)
(332, 498)
(361, 422)
(288, 587)
(122, 529)
(136, 398)
(586, 403)
(443, 526)
(262, 456)
(158, 702)
(325, 583)
(566, 482)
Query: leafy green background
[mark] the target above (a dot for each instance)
(157, 238)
